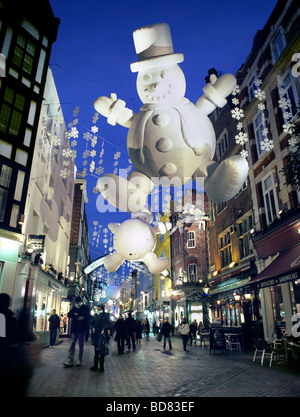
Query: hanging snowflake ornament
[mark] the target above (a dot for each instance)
(267, 144)
(93, 153)
(261, 106)
(86, 153)
(56, 140)
(265, 132)
(94, 141)
(237, 113)
(74, 132)
(87, 136)
(64, 173)
(289, 127)
(292, 142)
(241, 138)
(261, 95)
(94, 129)
(239, 126)
(284, 103)
(73, 143)
(236, 90)
(235, 101)
(244, 153)
(258, 82)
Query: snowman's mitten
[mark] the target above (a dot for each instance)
(225, 181)
(215, 93)
(114, 109)
(113, 261)
(156, 265)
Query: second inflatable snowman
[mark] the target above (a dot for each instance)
(170, 138)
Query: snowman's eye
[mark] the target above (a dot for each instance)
(163, 73)
(147, 78)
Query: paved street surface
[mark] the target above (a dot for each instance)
(152, 372)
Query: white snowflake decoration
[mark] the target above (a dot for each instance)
(237, 113)
(258, 82)
(236, 90)
(267, 144)
(67, 153)
(56, 140)
(86, 153)
(261, 95)
(87, 136)
(94, 141)
(244, 153)
(261, 106)
(293, 142)
(94, 129)
(265, 132)
(289, 127)
(64, 173)
(73, 143)
(93, 153)
(239, 126)
(284, 103)
(74, 133)
(241, 138)
(235, 101)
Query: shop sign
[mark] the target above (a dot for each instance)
(229, 287)
(279, 280)
(97, 263)
(54, 286)
(196, 308)
(35, 243)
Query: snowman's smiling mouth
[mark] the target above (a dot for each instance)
(157, 92)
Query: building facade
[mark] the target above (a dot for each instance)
(260, 224)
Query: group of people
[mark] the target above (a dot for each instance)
(127, 331)
(189, 332)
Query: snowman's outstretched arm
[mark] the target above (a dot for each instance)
(161, 228)
(215, 93)
(114, 109)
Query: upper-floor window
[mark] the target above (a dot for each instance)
(5, 178)
(225, 248)
(290, 93)
(191, 239)
(259, 126)
(271, 199)
(11, 112)
(192, 272)
(221, 206)
(222, 145)
(24, 53)
(278, 44)
(243, 228)
(252, 87)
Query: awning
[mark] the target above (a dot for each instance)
(285, 267)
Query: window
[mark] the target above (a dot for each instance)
(290, 94)
(225, 249)
(191, 239)
(277, 45)
(259, 125)
(221, 206)
(192, 272)
(252, 87)
(5, 177)
(11, 112)
(24, 54)
(271, 199)
(243, 227)
(222, 145)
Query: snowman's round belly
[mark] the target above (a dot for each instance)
(163, 151)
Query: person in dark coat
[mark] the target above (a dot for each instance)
(53, 327)
(130, 330)
(146, 328)
(193, 331)
(138, 331)
(120, 329)
(80, 315)
(102, 328)
(166, 330)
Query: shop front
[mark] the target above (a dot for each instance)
(49, 294)
(279, 287)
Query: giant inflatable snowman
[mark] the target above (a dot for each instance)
(135, 240)
(170, 138)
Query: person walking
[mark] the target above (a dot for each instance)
(138, 332)
(130, 330)
(80, 315)
(102, 328)
(193, 331)
(166, 330)
(184, 330)
(146, 328)
(53, 327)
(120, 329)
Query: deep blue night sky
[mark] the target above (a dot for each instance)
(94, 50)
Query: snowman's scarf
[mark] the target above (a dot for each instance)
(187, 123)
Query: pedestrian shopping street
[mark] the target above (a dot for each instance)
(151, 371)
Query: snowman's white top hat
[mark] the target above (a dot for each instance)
(154, 47)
